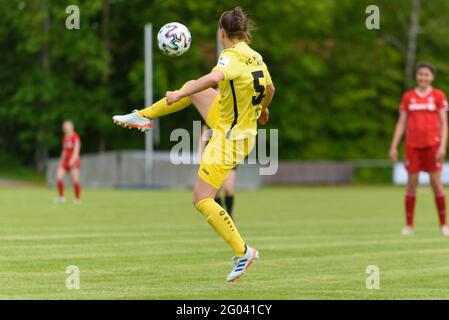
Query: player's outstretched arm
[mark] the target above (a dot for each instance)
(264, 116)
(441, 154)
(397, 136)
(208, 81)
(76, 153)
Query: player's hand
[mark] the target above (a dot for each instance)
(264, 117)
(393, 154)
(172, 97)
(72, 162)
(441, 154)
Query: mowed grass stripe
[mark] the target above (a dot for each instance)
(315, 244)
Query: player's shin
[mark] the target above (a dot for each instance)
(440, 202)
(60, 185)
(77, 189)
(161, 108)
(410, 200)
(220, 220)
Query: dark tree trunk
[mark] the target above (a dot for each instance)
(102, 145)
(412, 45)
(41, 144)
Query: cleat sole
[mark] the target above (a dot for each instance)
(129, 126)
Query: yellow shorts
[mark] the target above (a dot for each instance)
(221, 156)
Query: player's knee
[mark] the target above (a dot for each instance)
(198, 198)
(197, 202)
(413, 180)
(436, 184)
(412, 186)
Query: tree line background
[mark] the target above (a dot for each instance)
(338, 84)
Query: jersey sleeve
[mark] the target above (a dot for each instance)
(404, 103)
(229, 64)
(76, 138)
(268, 80)
(442, 102)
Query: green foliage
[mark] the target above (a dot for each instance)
(338, 84)
(378, 176)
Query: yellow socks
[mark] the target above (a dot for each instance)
(161, 108)
(220, 220)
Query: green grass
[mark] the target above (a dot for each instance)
(22, 174)
(315, 243)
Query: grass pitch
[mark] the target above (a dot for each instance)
(315, 243)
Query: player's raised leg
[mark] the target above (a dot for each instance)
(141, 119)
(440, 200)
(410, 201)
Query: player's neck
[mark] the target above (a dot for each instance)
(229, 43)
(424, 91)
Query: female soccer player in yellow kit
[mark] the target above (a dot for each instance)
(245, 92)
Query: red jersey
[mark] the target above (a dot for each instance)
(68, 144)
(423, 121)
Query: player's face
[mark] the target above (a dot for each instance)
(67, 127)
(424, 78)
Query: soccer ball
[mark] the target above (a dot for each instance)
(174, 39)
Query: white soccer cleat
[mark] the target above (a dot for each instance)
(59, 200)
(133, 120)
(445, 231)
(242, 263)
(407, 231)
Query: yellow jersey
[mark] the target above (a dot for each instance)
(246, 77)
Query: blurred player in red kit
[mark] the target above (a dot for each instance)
(423, 116)
(69, 161)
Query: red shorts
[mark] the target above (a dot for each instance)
(65, 164)
(422, 159)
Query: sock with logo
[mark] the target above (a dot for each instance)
(222, 223)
